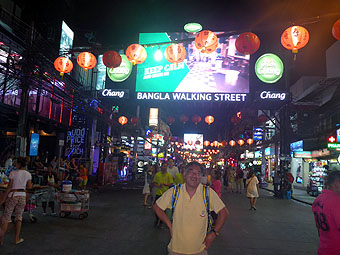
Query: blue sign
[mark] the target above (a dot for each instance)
(338, 136)
(258, 154)
(267, 151)
(257, 134)
(147, 132)
(34, 145)
(296, 146)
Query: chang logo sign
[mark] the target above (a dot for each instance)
(122, 72)
(269, 68)
(273, 95)
(115, 93)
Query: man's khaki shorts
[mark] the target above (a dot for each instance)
(204, 252)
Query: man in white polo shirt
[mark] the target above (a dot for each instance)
(190, 220)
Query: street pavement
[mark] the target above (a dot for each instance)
(118, 223)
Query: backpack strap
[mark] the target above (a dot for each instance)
(206, 199)
(175, 195)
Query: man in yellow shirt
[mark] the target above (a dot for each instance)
(190, 220)
(179, 178)
(162, 181)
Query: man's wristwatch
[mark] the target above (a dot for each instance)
(215, 232)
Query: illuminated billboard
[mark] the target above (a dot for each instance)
(66, 40)
(193, 141)
(219, 76)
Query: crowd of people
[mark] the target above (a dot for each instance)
(235, 180)
(51, 175)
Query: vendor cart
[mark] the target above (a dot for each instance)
(74, 201)
(35, 195)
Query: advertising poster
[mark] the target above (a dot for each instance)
(101, 73)
(193, 141)
(219, 74)
(66, 40)
(34, 145)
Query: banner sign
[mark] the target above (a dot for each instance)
(216, 97)
(257, 134)
(302, 154)
(115, 93)
(333, 145)
(267, 95)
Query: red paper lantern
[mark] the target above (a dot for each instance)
(295, 38)
(215, 144)
(250, 141)
(136, 54)
(134, 120)
(336, 30)
(240, 142)
(122, 120)
(235, 120)
(170, 120)
(247, 43)
(206, 143)
(206, 41)
(209, 119)
(175, 53)
(224, 143)
(86, 60)
(112, 59)
(184, 119)
(63, 65)
(262, 118)
(232, 143)
(196, 119)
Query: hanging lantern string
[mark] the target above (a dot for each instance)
(222, 34)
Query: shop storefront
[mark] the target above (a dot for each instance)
(300, 167)
(322, 161)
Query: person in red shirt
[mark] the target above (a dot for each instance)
(326, 209)
(216, 182)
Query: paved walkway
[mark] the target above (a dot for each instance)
(119, 224)
(299, 194)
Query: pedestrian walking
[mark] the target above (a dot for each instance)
(225, 178)
(239, 180)
(276, 182)
(15, 198)
(326, 209)
(179, 178)
(190, 230)
(252, 189)
(172, 169)
(147, 182)
(245, 175)
(231, 179)
(51, 181)
(216, 182)
(162, 181)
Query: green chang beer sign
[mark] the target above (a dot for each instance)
(122, 72)
(269, 68)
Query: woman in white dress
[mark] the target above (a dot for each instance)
(252, 189)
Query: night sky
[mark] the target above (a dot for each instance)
(117, 24)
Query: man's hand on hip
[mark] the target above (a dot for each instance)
(209, 240)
